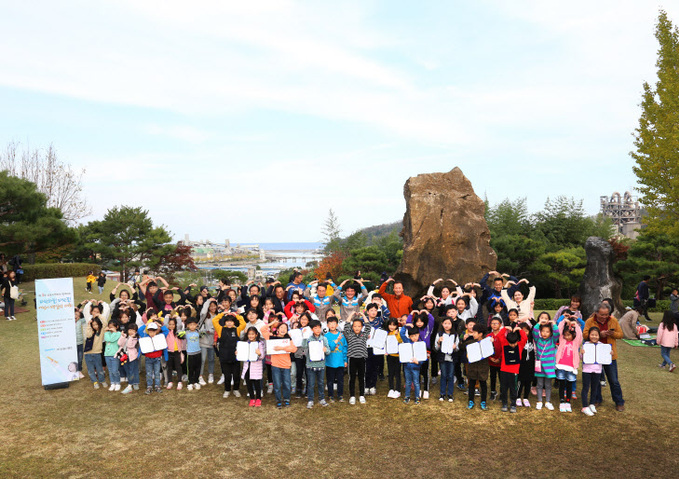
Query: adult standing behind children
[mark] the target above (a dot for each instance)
(641, 297)
(399, 304)
(610, 333)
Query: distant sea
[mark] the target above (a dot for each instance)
(289, 246)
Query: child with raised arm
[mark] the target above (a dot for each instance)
(568, 361)
(546, 337)
(357, 333)
(228, 328)
(477, 371)
(411, 370)
(336, 361)
(315, 368)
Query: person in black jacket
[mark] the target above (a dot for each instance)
(7, 284)
(641, 297)
(228, 339)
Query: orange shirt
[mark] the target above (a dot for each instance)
(398, 306)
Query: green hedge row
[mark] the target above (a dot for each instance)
(58, 270)
(554, 304)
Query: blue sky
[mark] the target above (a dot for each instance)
(226, 119)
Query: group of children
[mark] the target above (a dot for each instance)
(293, 336)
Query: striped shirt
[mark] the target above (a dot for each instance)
(545, 352)
(356, 343)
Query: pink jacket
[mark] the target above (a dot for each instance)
(573, 345)
(181, 343)
(131, 345)
(255, 367)
(669, 339)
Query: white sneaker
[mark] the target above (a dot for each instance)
(201, 380)
(373, 391)
(236, 393)
(96, 385)
(104, 385)
(592, 408)
(526, 403)
(211, 378)
(587, 411)
(518, 402)
(352, 400)
(127, 390)
(390, 394)
(269, 390)
(568, 407)
(123, 380)
(185, 378)
(190, 387)
(397, 394)
(197, 386)
(113, 386)
(221, 381)
(425, 395)
(361, 399)
(549, 406)
(226, 394)
(117, 388)
(562, 407)
(169, 385)
(538, 406)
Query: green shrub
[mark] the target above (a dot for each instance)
(549, 304)
(58, 270)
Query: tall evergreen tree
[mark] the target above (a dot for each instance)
(657, 137)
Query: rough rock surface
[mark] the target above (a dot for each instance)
(599, 282)
(445, 234)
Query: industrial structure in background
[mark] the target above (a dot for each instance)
(625, 213)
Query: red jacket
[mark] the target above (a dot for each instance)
(495, 360)
(505, 348)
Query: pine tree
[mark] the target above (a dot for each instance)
(657, 137)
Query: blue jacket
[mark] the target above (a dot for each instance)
(163, 329)
(406, 339)
(337, 344)
(490, 294)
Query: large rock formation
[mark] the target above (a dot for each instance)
(445, 234)
(599, 282)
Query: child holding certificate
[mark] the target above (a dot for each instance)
(316, 349)
(411, 334)
(446, 343)
(591, 375)
(252, 369)
(478, 370)
(281, 364)
(393, 363)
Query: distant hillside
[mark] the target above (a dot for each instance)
(373, 233)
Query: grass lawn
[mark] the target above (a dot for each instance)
(80, 432)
